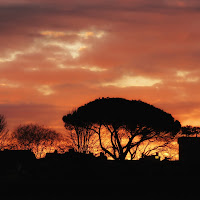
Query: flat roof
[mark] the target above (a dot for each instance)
(189, 139)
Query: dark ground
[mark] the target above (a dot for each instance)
(50, 180)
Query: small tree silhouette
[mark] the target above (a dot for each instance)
(190, 131)
(3, 124)
(4, 136)
(36, 137)
(126, 124)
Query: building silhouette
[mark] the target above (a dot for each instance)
(189, 149)
(17, 160)
(153, 158)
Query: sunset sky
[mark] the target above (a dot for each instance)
(58, 55)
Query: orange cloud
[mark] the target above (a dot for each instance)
(67, 53)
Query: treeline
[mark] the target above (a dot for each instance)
(118, 128)
(37, 138)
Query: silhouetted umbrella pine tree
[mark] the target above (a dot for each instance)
(127, 124)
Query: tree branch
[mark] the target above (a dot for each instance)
(111, 139)
(104, 149)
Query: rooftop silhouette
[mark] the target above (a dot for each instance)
(85, 166)
(189, 149)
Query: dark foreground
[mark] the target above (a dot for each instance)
(99, 171)
(50, 178)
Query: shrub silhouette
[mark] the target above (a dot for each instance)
(123, 120)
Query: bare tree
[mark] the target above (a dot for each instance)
(4, 136)
(3, 124)
(37, 138)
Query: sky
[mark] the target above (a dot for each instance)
(58, 55)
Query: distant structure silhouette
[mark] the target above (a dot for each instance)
(189, 149)
(155, 157)
(18, 160)
(72, 155)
